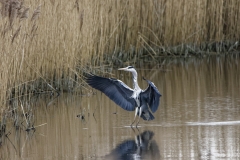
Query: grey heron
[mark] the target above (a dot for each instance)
(127, 98)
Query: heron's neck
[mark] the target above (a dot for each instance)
(135, 83)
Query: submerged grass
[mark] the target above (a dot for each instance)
(46, 45)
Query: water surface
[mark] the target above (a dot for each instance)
(198, 118)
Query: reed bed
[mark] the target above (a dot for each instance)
(45, 45)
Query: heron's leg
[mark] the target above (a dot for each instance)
(136, 111)
(140, 113)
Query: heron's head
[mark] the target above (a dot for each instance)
(128, 68)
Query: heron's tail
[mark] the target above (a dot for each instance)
(147, 115)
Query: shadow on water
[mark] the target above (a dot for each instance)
(142, 147)
(198, 118)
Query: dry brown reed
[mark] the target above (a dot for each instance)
(49, 43)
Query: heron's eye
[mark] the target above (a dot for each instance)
(129, 67)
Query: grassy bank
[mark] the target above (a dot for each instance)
(44, 45)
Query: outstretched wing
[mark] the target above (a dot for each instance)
(115, 89)
(152, 96)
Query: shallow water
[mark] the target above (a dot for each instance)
(198, 118)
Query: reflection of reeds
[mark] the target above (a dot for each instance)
(36, 13)
(44, 43)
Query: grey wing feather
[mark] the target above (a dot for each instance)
(115, 89)
(152, 96)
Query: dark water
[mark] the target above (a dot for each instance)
(198, 118)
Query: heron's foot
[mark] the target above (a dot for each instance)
(132, 126)
(133, 129)
(132, 123)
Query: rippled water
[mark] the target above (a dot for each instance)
(198, 118)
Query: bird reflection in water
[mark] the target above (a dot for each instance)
(142, 147)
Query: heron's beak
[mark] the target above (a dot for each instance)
(123, 69)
